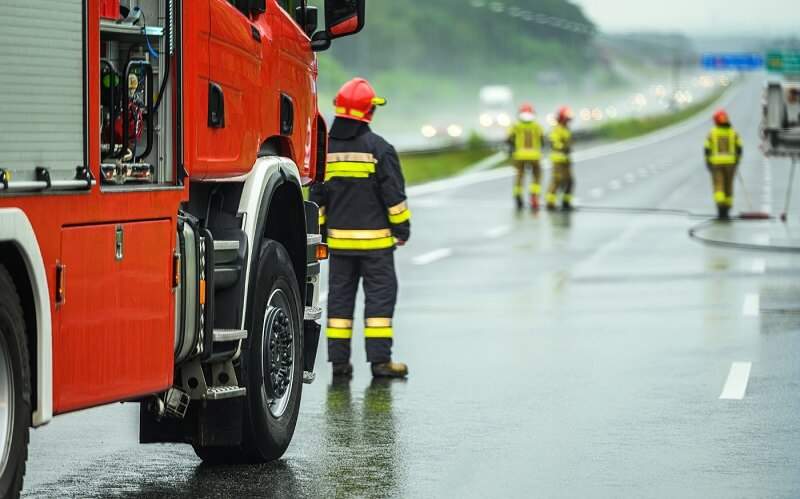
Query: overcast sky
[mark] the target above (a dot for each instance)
(696, 17)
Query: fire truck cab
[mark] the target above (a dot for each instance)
(155, 246)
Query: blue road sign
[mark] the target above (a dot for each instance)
(737, 62)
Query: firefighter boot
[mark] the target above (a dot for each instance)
(518, 202)
(345, 369)
(566, 206)
(389, 370)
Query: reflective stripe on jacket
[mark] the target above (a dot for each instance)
(363, 201)
(561, 144)
(723, 146)
(526, 137)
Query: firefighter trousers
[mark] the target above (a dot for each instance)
(521, 165)
(562, 179)
(376, 271)
(722, 178)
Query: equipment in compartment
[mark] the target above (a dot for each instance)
(131, 125)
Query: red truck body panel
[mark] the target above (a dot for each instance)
(113, 338)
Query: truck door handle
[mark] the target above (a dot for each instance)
(287, 115)
(216, 106)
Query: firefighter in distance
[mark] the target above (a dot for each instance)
(525, 140)
(561, 149)
(723, 149)
(363, 209)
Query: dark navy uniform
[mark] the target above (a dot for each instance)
(363, 209)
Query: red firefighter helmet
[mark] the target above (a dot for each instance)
(356, 100)
(721, 117)
(564, 114)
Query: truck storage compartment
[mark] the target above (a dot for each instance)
(42, 99)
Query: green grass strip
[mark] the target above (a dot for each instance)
(422, 167)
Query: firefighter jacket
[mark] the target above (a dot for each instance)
(525, 138)
(723, 146)
(362, 201)
(561, 144)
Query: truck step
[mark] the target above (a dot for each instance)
(221, 335)
(312, 313)
(309, 377)
(224, 392)
(225, 251)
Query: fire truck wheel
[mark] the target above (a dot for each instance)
(273, 364)
(15, 389)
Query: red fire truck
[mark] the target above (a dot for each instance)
(155, 246)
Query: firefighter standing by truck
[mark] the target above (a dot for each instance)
(723, 149)
(363, 207)
(525, 140)
(561, 147)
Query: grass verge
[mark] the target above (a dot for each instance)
(633, 127)
(422, 167)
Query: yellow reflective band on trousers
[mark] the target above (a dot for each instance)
(719, 197)
(340, 323)
(517, 190)
(722, 144)
(378, 322)
(536, 189)
(338, 333)
(378, 332)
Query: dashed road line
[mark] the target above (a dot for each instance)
(751, 305)
(498, 231)
(615, 184)
(759, 266)
(630, 178)
(736, 384)
(431, 257)
(597, 192)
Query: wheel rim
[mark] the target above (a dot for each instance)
(6, 403)
(279, 353)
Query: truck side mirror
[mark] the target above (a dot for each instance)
(344, 17)
(307, 18)
(320, 41)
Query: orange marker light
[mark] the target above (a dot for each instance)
(60, 279)
(202, 292)
(322, 251)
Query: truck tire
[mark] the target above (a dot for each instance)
(271, 363)
(15, 390)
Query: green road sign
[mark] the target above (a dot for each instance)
(783, 62)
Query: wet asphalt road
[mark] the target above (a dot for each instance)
(578, 354)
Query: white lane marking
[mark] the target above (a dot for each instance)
(597, 192)
(630, 178)
(432, 256)
(736, 384)
(498, 231)
(615, 184)
(642, 172)
(751, 305)
(766, 208)
(759, 266)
